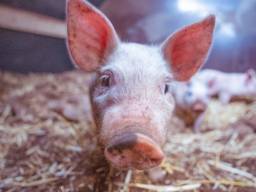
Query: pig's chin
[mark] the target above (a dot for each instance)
(133, 151)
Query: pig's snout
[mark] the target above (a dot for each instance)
(134, 150)
(199, 106)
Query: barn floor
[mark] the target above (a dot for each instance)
(48, 143)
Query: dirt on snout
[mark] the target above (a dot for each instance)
(48, 142)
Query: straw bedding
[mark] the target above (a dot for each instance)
(48, 142)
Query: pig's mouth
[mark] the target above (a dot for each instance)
(134, 150)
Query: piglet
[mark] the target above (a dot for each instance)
(129, 93)
(192, 95)
(191, 100)
(228, 85)
(209, 83)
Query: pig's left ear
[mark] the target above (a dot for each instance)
(91, 36)
(186, 50)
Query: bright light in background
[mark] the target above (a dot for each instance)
(193, 6)
(228, 30)
(200, 8)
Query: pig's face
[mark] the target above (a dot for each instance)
(131, 99)
(196, 95)
(130, 91)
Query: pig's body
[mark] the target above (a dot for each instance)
(192, 97)
(130, 96)
(209, 83)
(228, 85)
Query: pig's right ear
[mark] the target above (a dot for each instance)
(91, 36)
(186, 50)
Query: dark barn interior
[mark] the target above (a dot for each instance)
(146, 21)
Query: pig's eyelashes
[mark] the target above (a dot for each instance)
(105, 81)
(166, 89)
(168, 81)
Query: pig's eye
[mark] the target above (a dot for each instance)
(189, 94)
(105, 81)
(166, 89)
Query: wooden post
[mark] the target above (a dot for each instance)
(25, 21)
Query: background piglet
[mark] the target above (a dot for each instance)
(130, 97)
(229, 85)
(191, 100)
(193, 97)
(208, 83)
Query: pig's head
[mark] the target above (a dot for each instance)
(130, 94)
(196, 95)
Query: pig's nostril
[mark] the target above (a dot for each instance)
(134, 151)
(124, 142)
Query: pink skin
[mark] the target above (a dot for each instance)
(239, 84)
(192, 95)
(130, 96)
(196, 93)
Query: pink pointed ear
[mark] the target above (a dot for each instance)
(187, 49)
(91, 36)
